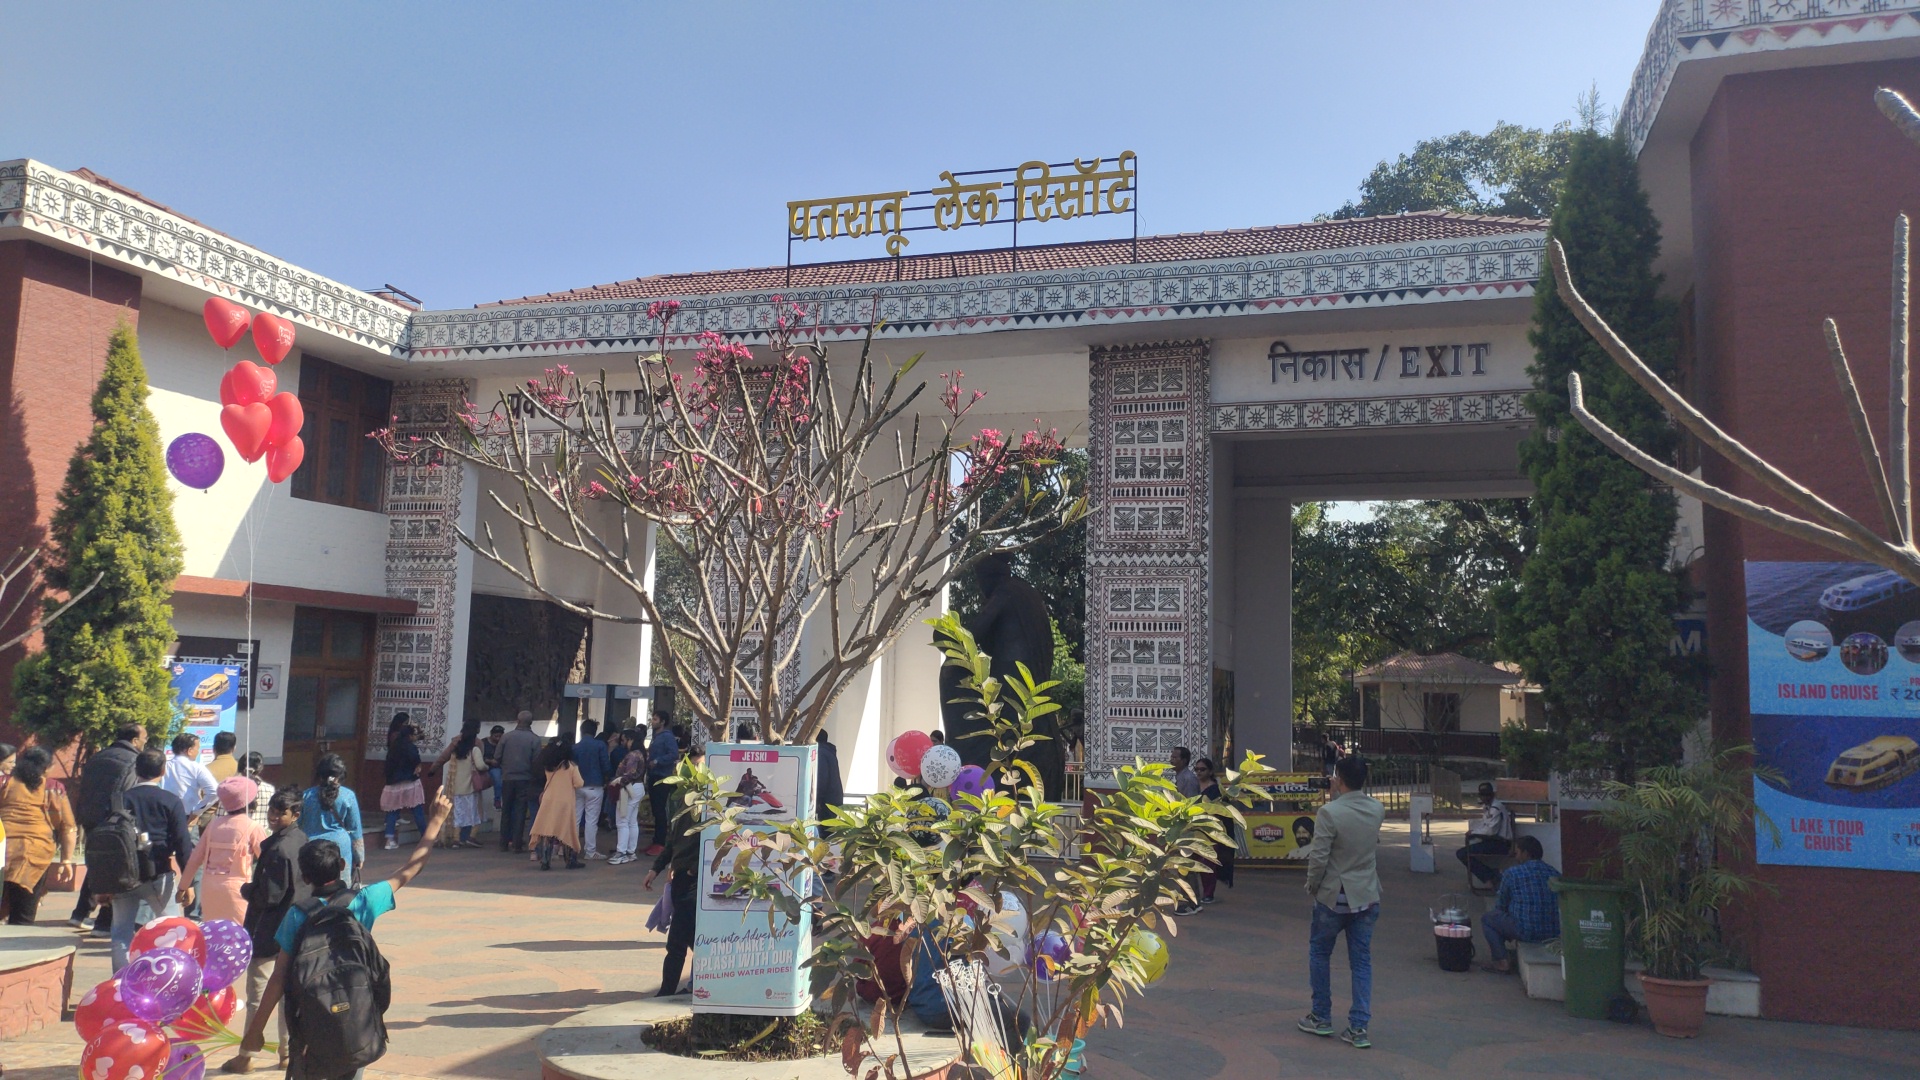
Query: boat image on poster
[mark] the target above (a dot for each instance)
(1875, 763)
(1882, 598)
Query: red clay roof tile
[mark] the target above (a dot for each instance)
(1174, 247)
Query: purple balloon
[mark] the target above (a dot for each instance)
(160, 986)
(229, 951)
(1047, 951)
(185, 1063)
(196, 460)
(973, 780)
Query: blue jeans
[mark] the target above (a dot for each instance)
(136, 908)
(1327, 925)
(495, 773)
(1500, 928)
(419, 820)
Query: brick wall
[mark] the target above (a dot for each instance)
(56, 314)
(1796, 182)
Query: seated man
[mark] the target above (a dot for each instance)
(1490, 834)
(1526, 909)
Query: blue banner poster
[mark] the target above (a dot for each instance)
(1833, 672)
(210, 696)
(741, 964)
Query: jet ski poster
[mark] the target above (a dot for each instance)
(209, 696)
(763, 781)
(745, 958)
(1833, 683)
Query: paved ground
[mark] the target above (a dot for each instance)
(488, 951)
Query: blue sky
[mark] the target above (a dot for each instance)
(480, 151)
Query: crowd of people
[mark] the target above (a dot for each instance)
(218, 841)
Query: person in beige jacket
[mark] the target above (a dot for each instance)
(1344, 881)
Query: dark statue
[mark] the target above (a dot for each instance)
(1012, 626)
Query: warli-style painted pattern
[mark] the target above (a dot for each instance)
(1493, 408)
(1702, 29)
(1149, 664)
(414, 664)
(66, 207)
(1146, 293)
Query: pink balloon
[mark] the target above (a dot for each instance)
(905, 751)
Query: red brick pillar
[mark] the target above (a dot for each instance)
(57, 311)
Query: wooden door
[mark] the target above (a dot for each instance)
(329, 684)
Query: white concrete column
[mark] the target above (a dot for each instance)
(1262, 541)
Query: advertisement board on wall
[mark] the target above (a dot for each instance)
(1833, 679)
(741, 963)
(209, 695)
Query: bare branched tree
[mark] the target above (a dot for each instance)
(805, 493)
(19, 571)
(1815, 520)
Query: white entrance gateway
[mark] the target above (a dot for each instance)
(1215, 378)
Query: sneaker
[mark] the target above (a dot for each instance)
(1187, 909)
(619, 859)
(592, 855)
(655, 849)
(1356, 1038)
(1208, 900)
(1316, 1025)
(77, 924)
(392, 844)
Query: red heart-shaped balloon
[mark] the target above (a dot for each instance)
(210, 1013)
(226, 321)
(226, 389)
(282, 460)
(246, 427)
(251, 383)
(272, 336)
(288, 418)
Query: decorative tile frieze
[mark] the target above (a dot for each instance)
(1145, 293)
(414, 658)
(1148, 651)
(1703, 29)
(1483, 408)
(60, 205)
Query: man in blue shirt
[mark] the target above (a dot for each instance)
(663, 756)
(322, 865)
(596, 768)
(1525, 910)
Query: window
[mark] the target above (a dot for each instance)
(1442, 712)
(342, 465)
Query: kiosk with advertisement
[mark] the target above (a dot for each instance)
(741, 962)
(1280, 827)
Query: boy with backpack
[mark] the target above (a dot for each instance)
(329, 970)
(275, 889)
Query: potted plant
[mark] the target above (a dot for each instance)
(982, 882)
(1674, 825)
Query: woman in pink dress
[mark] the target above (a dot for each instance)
(226, 852)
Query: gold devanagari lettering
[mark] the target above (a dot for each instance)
(1030, 183)
(1039, 195)
(850, 215)
(960, 204)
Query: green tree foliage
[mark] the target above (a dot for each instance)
(1056, 564)
(1418, 577)
(102, 664)
(1592, 616)
(1512, 171)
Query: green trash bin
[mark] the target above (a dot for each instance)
(1593, 943)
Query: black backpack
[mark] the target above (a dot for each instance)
(117, 861)
(338, 989)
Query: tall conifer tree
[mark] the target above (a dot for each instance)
(1593, 613)
(102, 663)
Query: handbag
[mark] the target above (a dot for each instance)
(482, 778)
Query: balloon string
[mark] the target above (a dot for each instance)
(253, 651)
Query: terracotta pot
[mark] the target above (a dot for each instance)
(1678, 1007)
